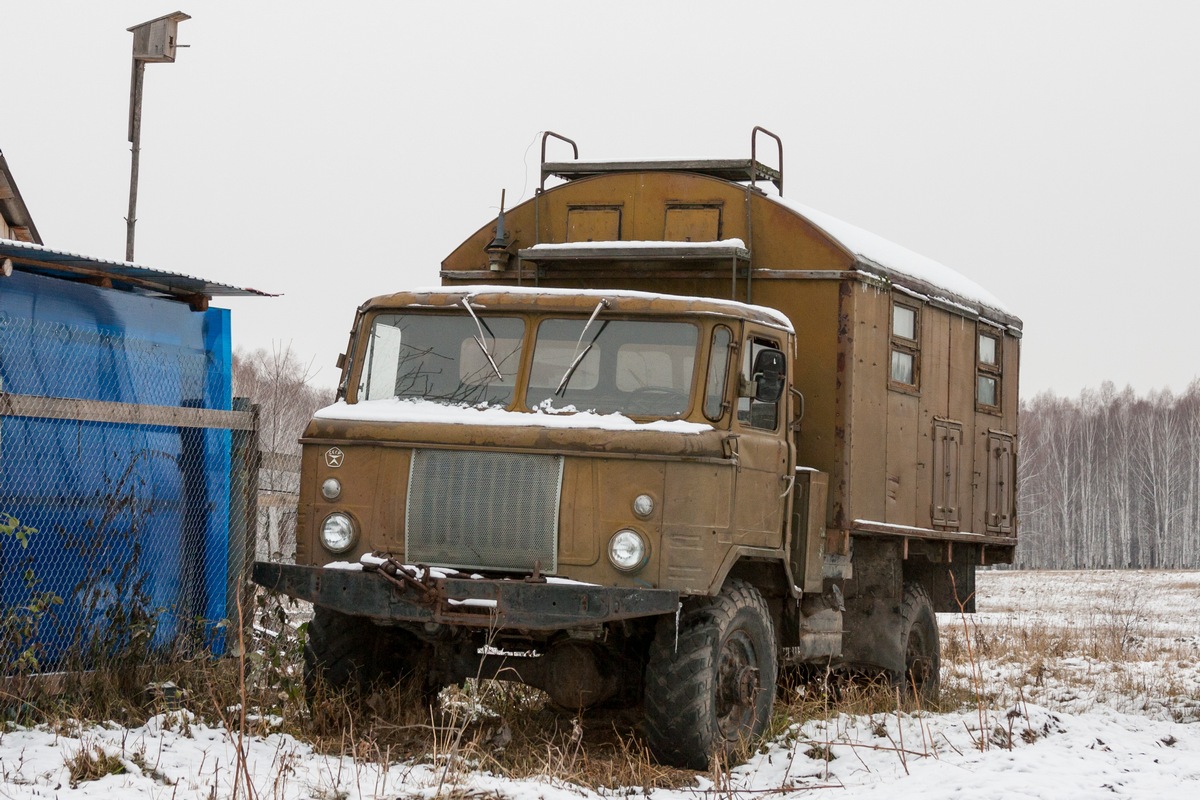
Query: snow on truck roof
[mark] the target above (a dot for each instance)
(632, 301)
(874, 249)
(938, 282)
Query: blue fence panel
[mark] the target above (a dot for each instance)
(126, 525)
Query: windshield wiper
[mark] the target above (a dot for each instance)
(579, 356)
(466, 301)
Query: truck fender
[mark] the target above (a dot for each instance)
(762, 567)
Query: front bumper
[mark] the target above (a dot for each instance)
(390, 593)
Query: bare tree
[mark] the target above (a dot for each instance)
(1110, 480)
(282, 387)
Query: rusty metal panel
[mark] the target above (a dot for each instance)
(391, 493)
(358, 467)
(692, 224)
(697, 499)
(392, 594)
(594, 224)
(618, 481)
(807, 554)
(577, 542)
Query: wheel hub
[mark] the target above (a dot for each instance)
(745, 685)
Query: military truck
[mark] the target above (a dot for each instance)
(660, 433)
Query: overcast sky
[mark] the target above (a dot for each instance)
(1047, 150)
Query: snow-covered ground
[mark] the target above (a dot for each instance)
(1091, 687)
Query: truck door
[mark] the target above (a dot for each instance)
(763, 455)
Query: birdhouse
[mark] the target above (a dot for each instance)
(155, 41)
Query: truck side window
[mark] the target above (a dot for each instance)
(906, 347)
(752, 412)
(987, 371)
(718, 373)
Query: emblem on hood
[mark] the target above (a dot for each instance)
(333, 457)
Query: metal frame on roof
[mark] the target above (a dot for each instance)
(196, 292)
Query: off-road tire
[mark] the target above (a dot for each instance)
(921, 647)
(345, 654)
(339, 652)
(710, 681)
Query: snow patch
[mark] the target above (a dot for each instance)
(344, 565)
(874, 248)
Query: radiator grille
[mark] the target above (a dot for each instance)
(475, 510)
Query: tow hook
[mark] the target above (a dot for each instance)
(395, 572)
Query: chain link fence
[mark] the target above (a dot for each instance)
(126, 514)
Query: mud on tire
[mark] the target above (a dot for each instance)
(352, 654)
(710, 684)
(339, 652)
(920, 645)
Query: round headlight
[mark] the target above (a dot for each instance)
(331, 488)
(627, 550)
(338, 533)
(643, 505)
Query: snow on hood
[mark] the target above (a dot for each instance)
(416, 410)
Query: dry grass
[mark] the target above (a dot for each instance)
(1109, 649)
(506, 729)
(91, 762)
(1119, 643)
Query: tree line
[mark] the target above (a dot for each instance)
(1109, 480)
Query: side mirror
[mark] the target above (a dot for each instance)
(770, 368)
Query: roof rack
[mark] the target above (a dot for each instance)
(748, 170)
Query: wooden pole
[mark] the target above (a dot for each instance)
(135, 138)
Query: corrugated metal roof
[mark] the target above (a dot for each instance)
(28, 257)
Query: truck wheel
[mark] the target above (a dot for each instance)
(339, 652)
(352, 654)
(710, 680)
(922, 650)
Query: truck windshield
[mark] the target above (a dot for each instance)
(634, 367)
(442, 357)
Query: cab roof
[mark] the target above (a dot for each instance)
(580, 301)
